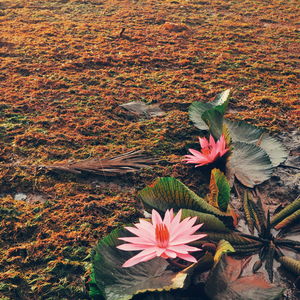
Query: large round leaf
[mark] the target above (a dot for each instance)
(168, 192)
(250, 164)
(118, 283)
(241, 131)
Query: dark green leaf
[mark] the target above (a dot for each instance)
(232, 237)
(243, 132)
(210, 222)
(225, 283)
(118, 283)
(250, 164)
(168, 192)
(223, 187)
(214, 120)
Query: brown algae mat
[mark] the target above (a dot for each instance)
(68, 65)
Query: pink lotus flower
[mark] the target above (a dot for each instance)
(166, 238)
(210, 151)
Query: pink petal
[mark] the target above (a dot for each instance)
(212, 142)
(172, 214)
(203, 142)
(136, 240)
(142, 234)
(187, 257)
(133, 247)
(184, 231)
(170, 253)
(178, 226)
(159, 251)
(156, 218)
(198, 155)
(177, 218)
(147, 227)
(183, 249)
(187, 239)
(141, 257)
(167, 218)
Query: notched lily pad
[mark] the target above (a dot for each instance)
(243, 132)
(250, 164)
(168, 192)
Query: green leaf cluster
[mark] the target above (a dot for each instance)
(254, 153)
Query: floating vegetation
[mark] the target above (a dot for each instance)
(66, 69)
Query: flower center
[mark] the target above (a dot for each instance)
(206, 151)
(162, 235)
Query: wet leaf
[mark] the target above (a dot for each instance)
(222, 248)
(257, 214)
(226, 283)
(256, 266)
(291, 264)
(250, 164)
(243, 132)
(168, 192)
(286, 212)
(142, 109)
(122, 164)
(118, 283)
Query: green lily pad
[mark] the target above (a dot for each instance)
(117, 283)
(250, 164)
(243, 132)
(168, 192)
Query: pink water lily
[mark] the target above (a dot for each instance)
(210, 151)
(166, 238)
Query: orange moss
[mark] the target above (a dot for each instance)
(65, 70)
